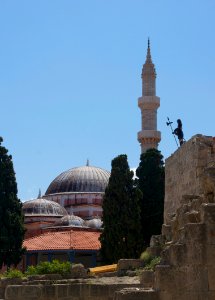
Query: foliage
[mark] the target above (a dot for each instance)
(153, 263)
(146, 257)
(121, 237)
(13, 273)
(11, 217)
(151, 177)
(54, 267)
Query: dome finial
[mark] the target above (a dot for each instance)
(39, 194)
(88, 163)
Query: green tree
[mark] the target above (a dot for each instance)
(121, 214)
(151, 178)
(11, 217)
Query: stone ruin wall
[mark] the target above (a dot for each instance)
(187, 172)
(187, 242)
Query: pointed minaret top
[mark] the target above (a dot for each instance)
(88, 163)
(148, 74)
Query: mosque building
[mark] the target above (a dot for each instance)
(65, 223)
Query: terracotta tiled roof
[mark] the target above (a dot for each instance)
(64, 240)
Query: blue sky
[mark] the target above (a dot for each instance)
(70, 79)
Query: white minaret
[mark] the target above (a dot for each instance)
(149, 137)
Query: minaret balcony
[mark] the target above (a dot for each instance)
(148, 102)
(149, 134)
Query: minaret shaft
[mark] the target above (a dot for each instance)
(149, 137)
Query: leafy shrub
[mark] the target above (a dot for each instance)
(54, 267)
(13, 273)
(151, 265)
(31, 270)
(146, 257)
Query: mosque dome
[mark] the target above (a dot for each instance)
(70, 220)
(43, 207)
(94, 223)
(81, 179)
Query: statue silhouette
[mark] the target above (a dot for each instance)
(178, 131)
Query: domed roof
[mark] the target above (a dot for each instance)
(70, 220)
(94, 223)
(43, 207)
(80, 179)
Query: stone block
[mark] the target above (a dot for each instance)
(195, 253)
(62, 290)
(211, 295)
(28, 292)
(2, 291)
(211, 278)
(97, 290)
(137, 294)
(197, 279)
(12, 292)
(196, 203)
(112, 288)
(85, 291)
(45, 277)
(181, 236)
(129, 264)
(74, 289)
(208, 213)
(131, 273)
(156, 241)
(107, 274)
(165, 256)
(193, 217)
(167, 232)
(155, 251)
(190, 295)
(210, 234)
(177, 254)
(170, 279)
(165, 296)
(10, 281)
(31, 292)
(49, 291)
(210, 254)
(147, 279)
(195, 233)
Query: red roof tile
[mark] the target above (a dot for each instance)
(64, 240)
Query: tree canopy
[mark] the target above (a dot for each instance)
(151, 180)
(121, 237)
(11, 217)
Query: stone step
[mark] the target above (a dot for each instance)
(136, 294)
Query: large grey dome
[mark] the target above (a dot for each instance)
(43, 207)
(81, 179)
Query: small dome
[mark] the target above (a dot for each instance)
(43, 207)
(70, 220)
(81, 179)
(94, 223)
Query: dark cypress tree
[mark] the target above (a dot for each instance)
(151, 181)
(11, 217)
(121, 214)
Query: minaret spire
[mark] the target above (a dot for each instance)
(148, 56)
(149, 137)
